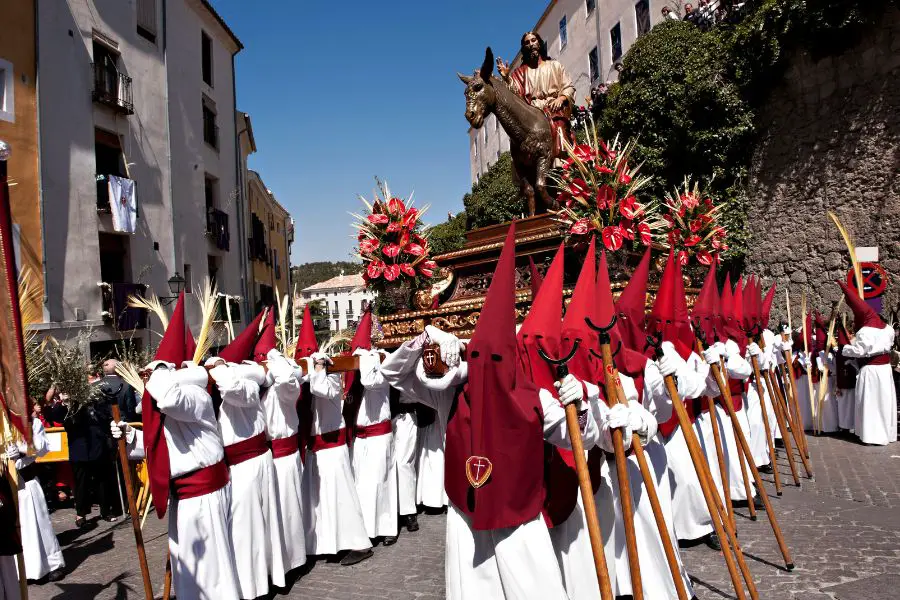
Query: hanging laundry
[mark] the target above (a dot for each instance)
(123, 203)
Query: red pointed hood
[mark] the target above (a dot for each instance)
(362, 339)
(536, 279)
(842, 338)
(171, 349)
(627, 361)
(543, 326)
(631, 306)
(821, 331)
(497, 419)
(863, 314)
(241, 347)
(766, 310)
(574, 327)
(306, 339)
(732, 312)
(267, 340)
(190, 344)
(706, 307)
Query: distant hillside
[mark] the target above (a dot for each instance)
(307, 274)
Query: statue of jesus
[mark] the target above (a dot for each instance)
(543, 83)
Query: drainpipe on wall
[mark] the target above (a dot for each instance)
(242, 239)
(37, 99)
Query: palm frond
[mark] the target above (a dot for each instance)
(152, 304)
(857, 270)
(129, 374)
(208, 299)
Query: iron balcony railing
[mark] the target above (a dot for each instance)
(112, 88)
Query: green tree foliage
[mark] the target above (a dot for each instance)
(307, 274)
(495, 198)
(449, 235)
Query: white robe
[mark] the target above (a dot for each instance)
(39, 545)
(255, 512)
(328, 478)
(655, 574)
(374, 469)
(876, 396)
(200, 543)
(515, 563)
(405, 436)
(279, 402)
(756, 429)
(803, 395)
(846, 401)
(689, 510)
(739, 369)
(829, 415)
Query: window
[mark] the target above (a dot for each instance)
(210, 129)
(615, 38)
(594, 64)
(212, 267)
(146, 19)
(206, 51)
(563, 34)
(335, 305)
(7, 91)
(590, 5)
(108, 160)
(209, 192)
(188, 279)
(642, 16)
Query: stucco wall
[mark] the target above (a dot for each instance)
(830, 141)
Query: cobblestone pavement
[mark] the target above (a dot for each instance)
(842, 528)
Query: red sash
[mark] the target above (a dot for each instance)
(244, 450)
(200, 482)
(871, 361)
(375, 430)
(285, 446)
(332, 439)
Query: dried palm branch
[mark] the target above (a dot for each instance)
(208, 299)
(857, 271)
(129, 374)
(282, 318)
(337, 339)
(228, 324)
(152, 304)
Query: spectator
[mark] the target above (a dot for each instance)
(91, 457)
(56, 475)
(114, 389)
(668, 13)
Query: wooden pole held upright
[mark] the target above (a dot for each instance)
(132, 508)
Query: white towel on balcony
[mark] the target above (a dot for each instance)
(123, 203)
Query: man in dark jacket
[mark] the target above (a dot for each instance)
(115, 389)
(91, 457)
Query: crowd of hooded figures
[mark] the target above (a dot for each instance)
(263, 461)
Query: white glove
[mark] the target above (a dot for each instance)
(637, 424)
(319, 357)
(449, 343)
(12, 452)
(711, 355)
(667, 365)
(753, 350)
(785, 330)
(570, 390)
(722, 349)
(618, 417)
(116, 430)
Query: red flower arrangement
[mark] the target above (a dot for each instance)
(392, 243)
(598, 193)
(691, 225)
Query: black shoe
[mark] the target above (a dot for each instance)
(766, 469)
(712, 540)
(779, 443)
(758, 503)
(356, 556)
(389, 540)
(56, 575)
(412, 523)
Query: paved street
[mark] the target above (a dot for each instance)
(843, 530)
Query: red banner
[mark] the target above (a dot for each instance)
(13, 383)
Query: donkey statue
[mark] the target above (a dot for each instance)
(529, 130)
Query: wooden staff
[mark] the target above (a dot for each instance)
(625, 498)
(616, 395)
(745, 458)
(773, 457)
(720, 453)
(812, 363)
(720, 518)
(584, 479)
(745, 447)
(777, 406)
(167, 582)
(792, 396)
(796, 431)
(132, 508)
(830, 343)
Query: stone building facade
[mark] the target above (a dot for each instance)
(829, 140)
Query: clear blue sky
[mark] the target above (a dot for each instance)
(339, 93)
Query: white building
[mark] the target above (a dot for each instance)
(144, 90)
(587, 37)
(344, 298)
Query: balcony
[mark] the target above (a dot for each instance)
(115, 306)
(257, 249)
(112, 89)
(335, 314)
(217, 228)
